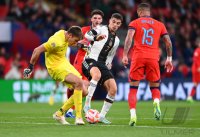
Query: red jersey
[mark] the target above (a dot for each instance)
(146, 38)
(81, 53)
(196, 59)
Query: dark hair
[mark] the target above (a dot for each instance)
(75, 31)
(98, 12)
(142, 6)
(117, 16)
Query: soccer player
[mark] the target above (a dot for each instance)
(60, 69)
(96, 19)
(97, 64)
(195, 70)
(146, 32)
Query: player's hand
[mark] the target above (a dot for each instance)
(100, 37)
(125, 61)
(168, 66)
(28, 71)
(109, 66)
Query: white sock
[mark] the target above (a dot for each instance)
(107, 105)
(91, 89)
(156, 100)
(133, 112)
(70, 110)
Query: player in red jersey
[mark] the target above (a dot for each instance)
(146, 33)
(195, 70)
(96, 19)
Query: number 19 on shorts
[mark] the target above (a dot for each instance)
(147, 38)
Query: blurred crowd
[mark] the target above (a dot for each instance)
(181, 17)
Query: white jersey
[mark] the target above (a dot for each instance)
(103, 50)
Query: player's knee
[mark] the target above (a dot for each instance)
(96, 76)
(79, 84)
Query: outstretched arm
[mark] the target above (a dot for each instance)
(94, 35)
(36, 54)
(127, 45)
(168, 62)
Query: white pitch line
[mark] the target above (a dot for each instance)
(154, 127)
(190, 119)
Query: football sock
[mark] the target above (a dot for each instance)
(155, 93)
(133, 112)
(132, 97)
(69, 103)
(78, 102)
(107, 105)
(193, 92)
(91, 89)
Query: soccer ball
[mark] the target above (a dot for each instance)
(92, 116)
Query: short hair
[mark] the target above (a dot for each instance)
(97, 12)
(143, 6)
(75, 31)
(117, 16)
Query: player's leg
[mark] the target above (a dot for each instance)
(153, 76)
(136, 74)
(51, 98)
(69, 113)
(77, 84)
(196, 80)
(132, 101)
(192, 93)
(90, 70)
(111, 87)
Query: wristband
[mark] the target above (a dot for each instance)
(169, 58)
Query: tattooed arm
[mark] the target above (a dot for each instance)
(168, 62)
(128, 42)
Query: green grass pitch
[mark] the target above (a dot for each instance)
(179, 119)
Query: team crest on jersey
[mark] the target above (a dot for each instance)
(53, 44)
(91, 64)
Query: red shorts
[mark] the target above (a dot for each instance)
(78, 67)
(195, 75)
(141, 67)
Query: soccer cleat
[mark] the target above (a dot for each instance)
(104, 120)
(60, 119)
(190, 99)
(69, 115)
(157, 111)
(79, 121)
(133, 121)
(86, 108)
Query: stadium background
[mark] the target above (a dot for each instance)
(25, 24)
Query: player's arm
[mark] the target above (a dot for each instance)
(127, 45)
(94, 34)
(35, 55)
(168, 44)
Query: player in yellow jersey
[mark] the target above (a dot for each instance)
(60, 69)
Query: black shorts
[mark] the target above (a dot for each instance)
(105, 72)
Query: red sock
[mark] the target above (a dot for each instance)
(155, 92)
(193, 92)
(132, 97)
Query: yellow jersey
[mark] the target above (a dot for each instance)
(56, 48)
(56, 62)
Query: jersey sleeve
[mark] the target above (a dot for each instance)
(132, 25)
(90, 35)
(163, 30)
(54, 41)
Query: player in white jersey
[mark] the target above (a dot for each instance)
(98, 62)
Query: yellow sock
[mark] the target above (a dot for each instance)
(78, 103)
(67, 105)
